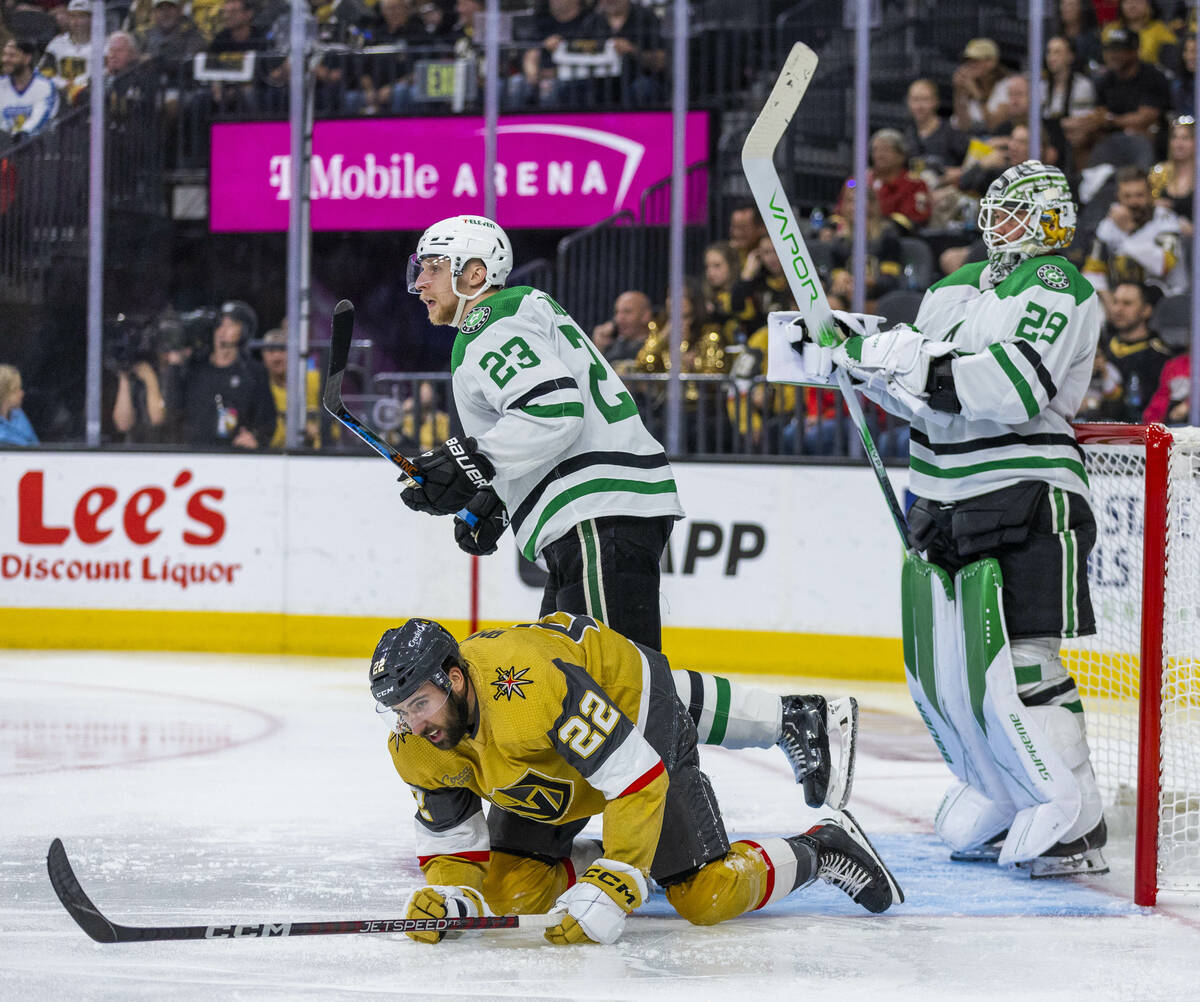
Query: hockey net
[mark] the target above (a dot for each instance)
(1139, 675)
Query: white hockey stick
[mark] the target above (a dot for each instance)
(758, 164)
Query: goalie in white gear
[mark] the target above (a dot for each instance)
(554, 449)
(990, 376)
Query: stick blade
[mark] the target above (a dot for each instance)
(776, 115)
(78, 905)
(339, 353)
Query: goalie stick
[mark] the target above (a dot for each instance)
(103, 930)
(341, 335)
(758, 164)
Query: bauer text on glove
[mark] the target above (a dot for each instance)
(450, 476)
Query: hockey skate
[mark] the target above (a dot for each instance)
(1079, 857)
(807, 722)
(847, 860)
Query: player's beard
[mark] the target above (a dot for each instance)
(457, 726)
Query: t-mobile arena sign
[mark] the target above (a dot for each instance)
(552, 171)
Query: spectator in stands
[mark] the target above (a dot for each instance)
(1136, 242)
(139, 410)
(425, 423)
(761, 287)
(1102, 398)
(1171, 402)
(1134, 349)
(237, 36)
(636, 34)
(1132, 96)
(65, 60)
(935, 148)
(28, 100)
(1141, 17)
(225, 399)
(1012, 109)
(884, 268)
(274, 356)
(721, 268)
(1066, 92)
(903, 196)
(385, 81)
(621, 338)
(171, 38)
(976, 85)
(1076, 22)
(436, 22)
(560, 24)
(327, 73)
(1183, 83)
(1172, 180)
(746, 229)
(238, 33)
(15, 428)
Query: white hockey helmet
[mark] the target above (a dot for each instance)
(1032, 204)
(461, 239)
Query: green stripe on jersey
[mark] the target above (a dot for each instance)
(1032, 462)
(1024, 390)
(569, 409)
(603, 485)
(720, 712)
(591, 550)
(1060, 502)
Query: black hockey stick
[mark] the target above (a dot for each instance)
(339, 351)
(103, 930)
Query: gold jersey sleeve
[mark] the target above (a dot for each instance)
(556, 739)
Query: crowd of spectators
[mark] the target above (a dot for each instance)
(1116, 101)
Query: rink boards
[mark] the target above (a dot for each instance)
(775, 568)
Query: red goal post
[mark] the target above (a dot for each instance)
(1140, 674)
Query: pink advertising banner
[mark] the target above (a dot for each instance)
(552, 171)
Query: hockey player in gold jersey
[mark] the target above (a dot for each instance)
(555, 722)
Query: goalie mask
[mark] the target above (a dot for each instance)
(405, 659)
(1028, 210)
(457, 241)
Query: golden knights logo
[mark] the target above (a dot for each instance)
(535, 796)
(509, 681)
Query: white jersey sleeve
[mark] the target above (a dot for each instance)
(558, 425)
(29, 110)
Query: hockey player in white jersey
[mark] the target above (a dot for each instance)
(990, 375)
(554, 447)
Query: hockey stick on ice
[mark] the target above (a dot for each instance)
(758, 164)
(103, 930)
(339, 351)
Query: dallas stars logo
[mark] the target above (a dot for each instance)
(475, 319)
(509, 681)
(1053, 276)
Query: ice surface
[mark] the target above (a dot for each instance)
(195, 790)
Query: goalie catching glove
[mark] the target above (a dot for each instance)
(450, 476)
(492, 518)
(443, 901)
(597, 904)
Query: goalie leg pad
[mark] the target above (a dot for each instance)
(968, 821)
(1028, 743)
(937, 680)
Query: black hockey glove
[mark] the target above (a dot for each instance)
(493, 520)
(802, 333)
(450, 476)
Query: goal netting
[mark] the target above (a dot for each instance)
(1139, 676)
